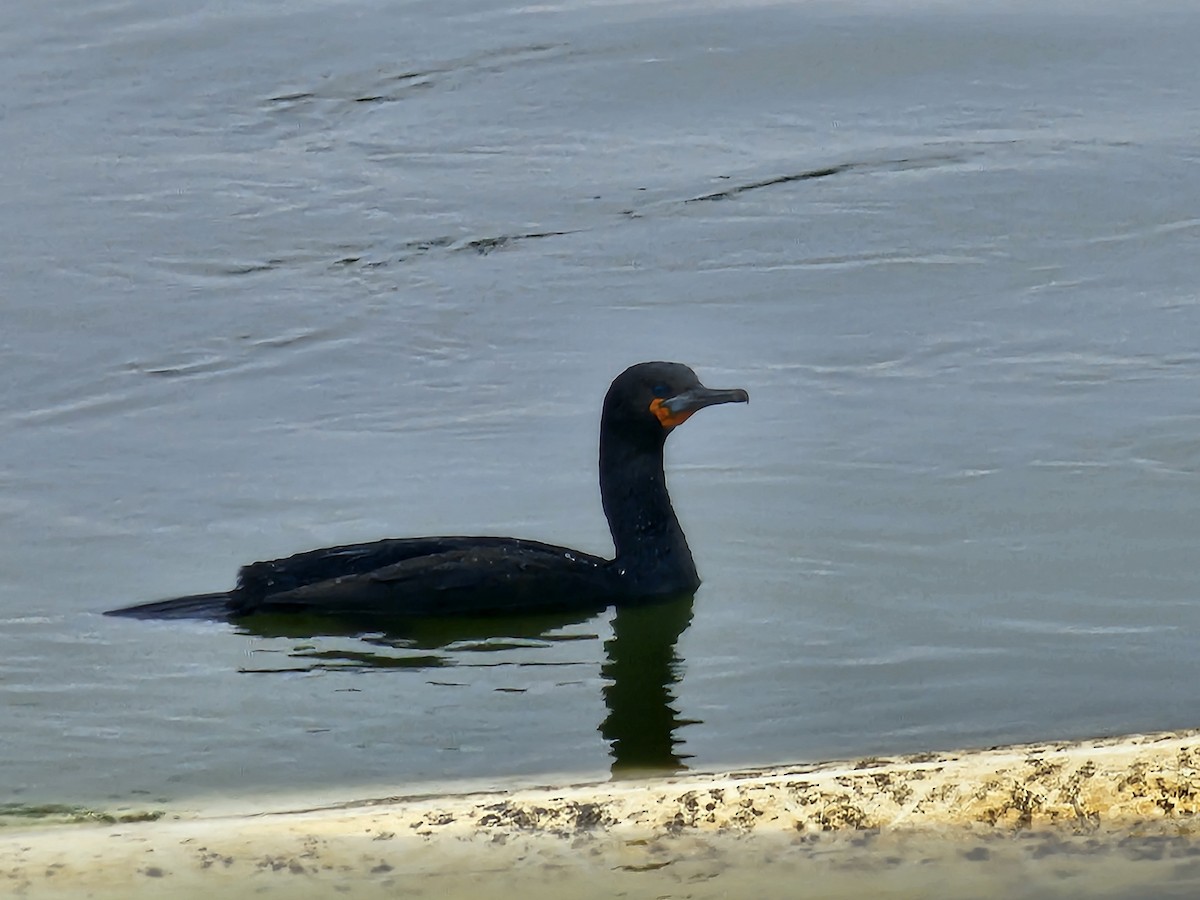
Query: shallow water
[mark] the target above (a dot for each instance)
(281, 280)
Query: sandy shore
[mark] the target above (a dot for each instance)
(1109, 812)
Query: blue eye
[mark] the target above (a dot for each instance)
(661, 390)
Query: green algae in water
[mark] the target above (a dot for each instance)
(26, 814)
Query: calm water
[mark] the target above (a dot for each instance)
(278, 276)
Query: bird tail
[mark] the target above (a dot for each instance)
(194, 606)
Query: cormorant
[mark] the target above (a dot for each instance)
(448, 576)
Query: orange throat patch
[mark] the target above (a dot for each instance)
(665, 416)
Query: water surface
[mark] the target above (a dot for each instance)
(279, 278)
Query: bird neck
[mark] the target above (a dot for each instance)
(652, 555)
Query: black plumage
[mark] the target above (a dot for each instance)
(455, 576)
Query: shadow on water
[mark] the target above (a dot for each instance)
(642, 665)
(391, 643)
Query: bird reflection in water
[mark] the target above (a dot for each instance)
(642, 668)
(641, 665)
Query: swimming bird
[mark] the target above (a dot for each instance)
(456, 576)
